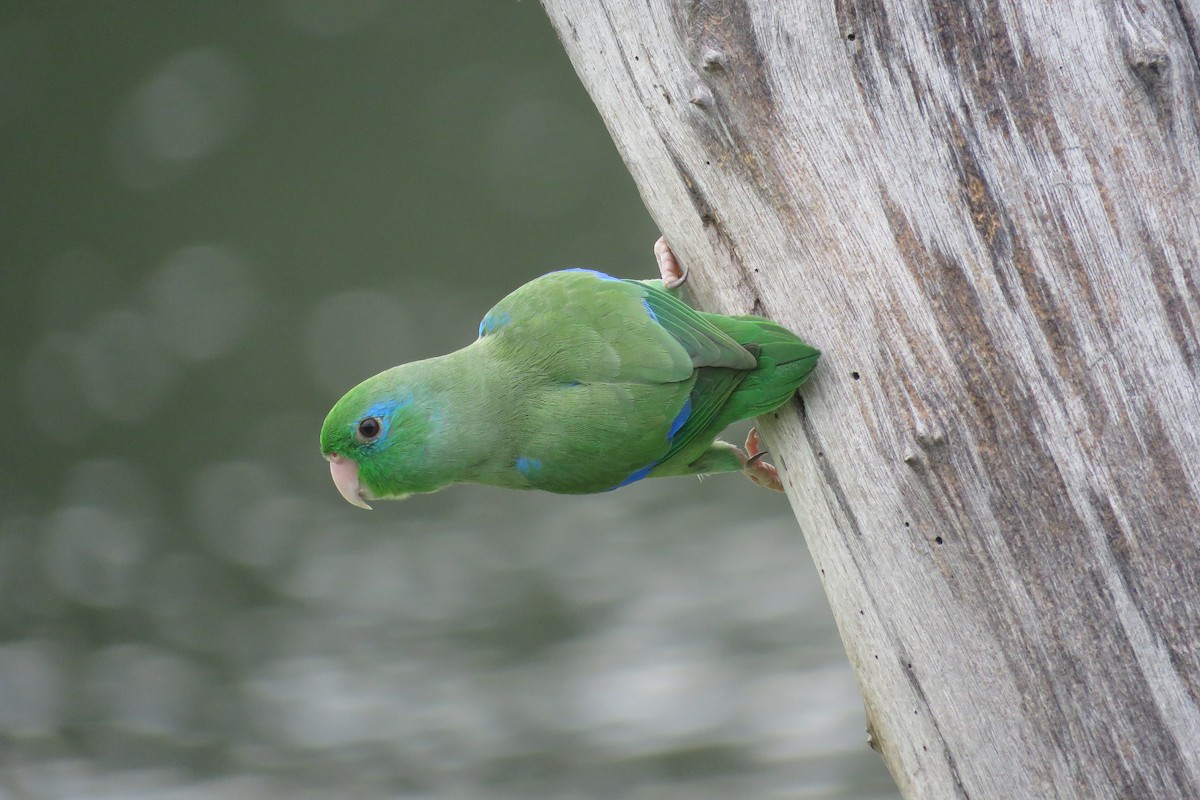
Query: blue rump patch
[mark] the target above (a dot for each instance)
(680, 418)
(595, 272)
(528, 466)
(495, 320)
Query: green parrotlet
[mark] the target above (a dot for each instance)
(579, 382)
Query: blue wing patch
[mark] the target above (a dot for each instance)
(493, 321)
(680, 419)
(650, 310)
(528, 466)
(597, 273)
(634, 477)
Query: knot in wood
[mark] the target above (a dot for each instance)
(929, 437)
(713, 60)
(1151, 66)
(701, 97)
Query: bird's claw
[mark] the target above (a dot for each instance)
(755, 467)
(673, 273)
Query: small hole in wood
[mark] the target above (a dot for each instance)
(855, 375)
(937, 539)
(850, 37)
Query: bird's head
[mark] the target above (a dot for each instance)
(374, 439)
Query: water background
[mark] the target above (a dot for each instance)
(214, 219)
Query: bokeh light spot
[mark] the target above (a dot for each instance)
(222, 496)
(124, 371)
(190, 597)
(201, 300)
(275, 525)
(52, 389)
(32, 687)
(312, 701)
(146, 690)
(91, 554)
(191, 106)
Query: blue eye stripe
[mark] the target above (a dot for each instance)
(384, 408)
(383, 412)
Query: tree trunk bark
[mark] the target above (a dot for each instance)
(986, 213)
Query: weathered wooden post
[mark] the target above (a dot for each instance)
(987, 214)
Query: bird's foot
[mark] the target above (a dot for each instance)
(673, 274)
(755, 467)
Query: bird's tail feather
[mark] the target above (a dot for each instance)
(784, 362)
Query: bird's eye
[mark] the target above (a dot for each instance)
(369, 428)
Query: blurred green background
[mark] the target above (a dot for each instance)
(217, 217)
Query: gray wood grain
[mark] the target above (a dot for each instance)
(987, 214)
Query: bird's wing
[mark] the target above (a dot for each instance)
(720, 362)
(641, 374)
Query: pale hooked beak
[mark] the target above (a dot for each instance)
(345, 478)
